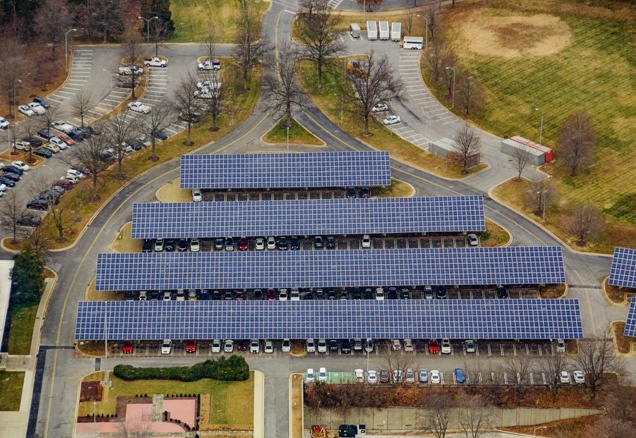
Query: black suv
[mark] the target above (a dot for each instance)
(333, 345)
(37, 204)
(502, 292)
(147, 246)
(170, 245)
(283, 245)
(294, 243)
(365, 193)
(331, 242)
(318, 242)
(345, 346)
(182, 246)
(441, 293)
(351, 193)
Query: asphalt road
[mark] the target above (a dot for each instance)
(62, 372)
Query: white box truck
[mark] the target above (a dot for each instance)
(372, 30)
(396, 31)
(384, 30)
(354, 30)
(413, 43)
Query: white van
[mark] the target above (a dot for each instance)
(384, 30)
(372, 30)
(354, 30)
(396, 31)
(413, 43)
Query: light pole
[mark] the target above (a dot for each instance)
(66, 48)
(426, 35)
(537, 428)
(15, 107)
(148, 20)
(453, 104)
(541, 131)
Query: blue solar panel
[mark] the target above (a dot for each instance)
(414, 319)
(308, 217)
(371, 267)
(630, 326)
(623, 272)
(315, 169)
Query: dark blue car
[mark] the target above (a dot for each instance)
(42, 101)
(159, 134)
(6, 181)
(42, 152)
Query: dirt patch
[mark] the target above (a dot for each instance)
(616, 294)
(552, 291)
(515, 36)
(623, 343)
(91, 391)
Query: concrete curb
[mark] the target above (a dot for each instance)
(259, 405)
(603, 285)
(510, 236)
(7, 249)
(295, 145)
(547, 231)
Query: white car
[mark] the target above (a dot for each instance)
(24, 109)
(435, 377)
(139, 107)
(20, 165)
(579, 377)
(255, 346)
(195, 246)
(408, 345)
(359, 373)
(446, 346)
(206, 85)
(560, 346)
(129, 70)
(196, 195)
(322, 346)
(4, 124)
(398, 376)
(311, 346)
(392, 120)
(37, 108)
(380, 107)
(271, 243)
(286, 346)
(159, 245)
(75, 173)
(260, 244)
(59, 143)
(215, 347)
(155, 61)
(473, 240)
(366, 241)
(322, 375)
(282, 295)
(208, 64)
(269, 347)
(565, 377)
(167, 296)
(70, 178)
(229, 346)
(410, 376)
(166, 347)
(423, 376)
(204, 93)
(310, 377)
(295, 295)
(379, 294)
(470, 346)
(372, 377)
(62, 126)
(396, 345)
(3, 188)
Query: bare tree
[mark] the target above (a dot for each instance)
(439, 55)
(377, 84)
(159, 34)
(438, 414)
(215, 99)
(189, 106)
(11, 211)
(433, 13)
(28, 129)
(598, 358)
(410, 18)
(585, 222)
(517, 369)
(469, 92)
(132, 54)
(540, 193)
(40, 240)
(309, 7)
(81, 104)
(117, 130)
(281, 91)
(316, 32)
(474, 417)
(159, 118)
(466, 148)
(396, 363)
(520, 156)
(551, 366)
(576, 141)
(13, 68)
(41, 186)
(370, 3)
(91, 154)
(51, 22)
(248, 47)
(210, 39)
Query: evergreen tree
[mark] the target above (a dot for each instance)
(161, 9)
(27, 279)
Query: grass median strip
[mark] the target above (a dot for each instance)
(298, 135)
(10, 390)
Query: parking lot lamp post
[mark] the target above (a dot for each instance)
(15, 107)
(541, 130)
(453, 104)
(66, 48)
(148, 20)
(537, 428)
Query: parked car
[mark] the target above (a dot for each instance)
(4, 124)
(29, 219)
(229, 346)
(215, 346)
(7, 181)
(460, 377)
(42, 101)
(410, 376)
(139, 107)
(37, 108)
(433, 346)
(63, 126)
(20, 165)
(196, 195)
(159, 134)
(372, 377)
(369, 345)
(331, 242)
(323, 376)
(579, 377)
(166, 347)
(12, 169)
(38, 204)
(210, 64)
(269, 347)
(366, 241)
(565, 377)
(194, 245)
(286, 346)
(259, 244)
(66, 185)
(155, 61)
(255, 346)
(77, 134)
(470, 346)
(24, 109)
(44, 153)
(310, 377)
(23, 146)
(11, 176)
(52, 147)
(191, 346)
(66, 139)
(380, 107)
(59, 143)
(384, 376)
(130, 70)
(408, 345)
(159, 245)
(396, 345)
(46, 134)
(423, 376)
(127, 347)
(473, 240)
(35, 142)
(322, 346)
(392, 120)
(436, 378)
(560, 346)
(446, 346)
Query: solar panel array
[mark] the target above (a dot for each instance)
(415, 319)
(623, 272)
(371, 267)
(630, 326)
(308, 217)
(315, 169)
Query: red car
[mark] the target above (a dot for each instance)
(271, 295)
(433, 346)
(239, 295)
(243, 244)
(191, 346)
(128, 347)
(241, 345)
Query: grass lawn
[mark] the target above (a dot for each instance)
(329, 101)
(494, 235)
(192, 18)
(298, 135)
(22, 330)
(76, 205)
(231, 402)
(397, 189)
(297, 406)
(10, 390)
(124, 242)
(589, 65)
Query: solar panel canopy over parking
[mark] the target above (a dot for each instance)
(303, 269)
(630, 326)
(305, 170)
(414, 319)
(308, 217)
(623, 272)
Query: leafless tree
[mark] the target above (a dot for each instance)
(518, 370)
(469, 92)
(132, 54)
(309, 7)
(440, 55)
(29, 129)
(81, 104)
(608, 427)
(474, 417)
(159, 118)
(597, 358)
(51, 22)
(377, 84)
(466, 148)
(159, 34)
(576, 141)
(585, 222)
(40, 240)
(41, 185)
(282, 90)
(186, 104)
(542, 192)
(11, 211)
(250, 46)
(551, 366)
(520, 157)
(316, 32)
(396, 362)
(438, 414)
(370, 3)
(13, 68)
(91, 154)
(51, 115)
(215, 103)
(210, 39)
(117, 130)
(410, 18)
(433, 13)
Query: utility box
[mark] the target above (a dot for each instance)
(384, 30)
(372, 30)
(354, 30)
(535, 156)
(396, 31)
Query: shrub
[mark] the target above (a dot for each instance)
(232, 369)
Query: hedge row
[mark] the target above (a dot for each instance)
(234, 368)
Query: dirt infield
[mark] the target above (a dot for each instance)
(515, 36)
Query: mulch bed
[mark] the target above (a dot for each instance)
(91, 391)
